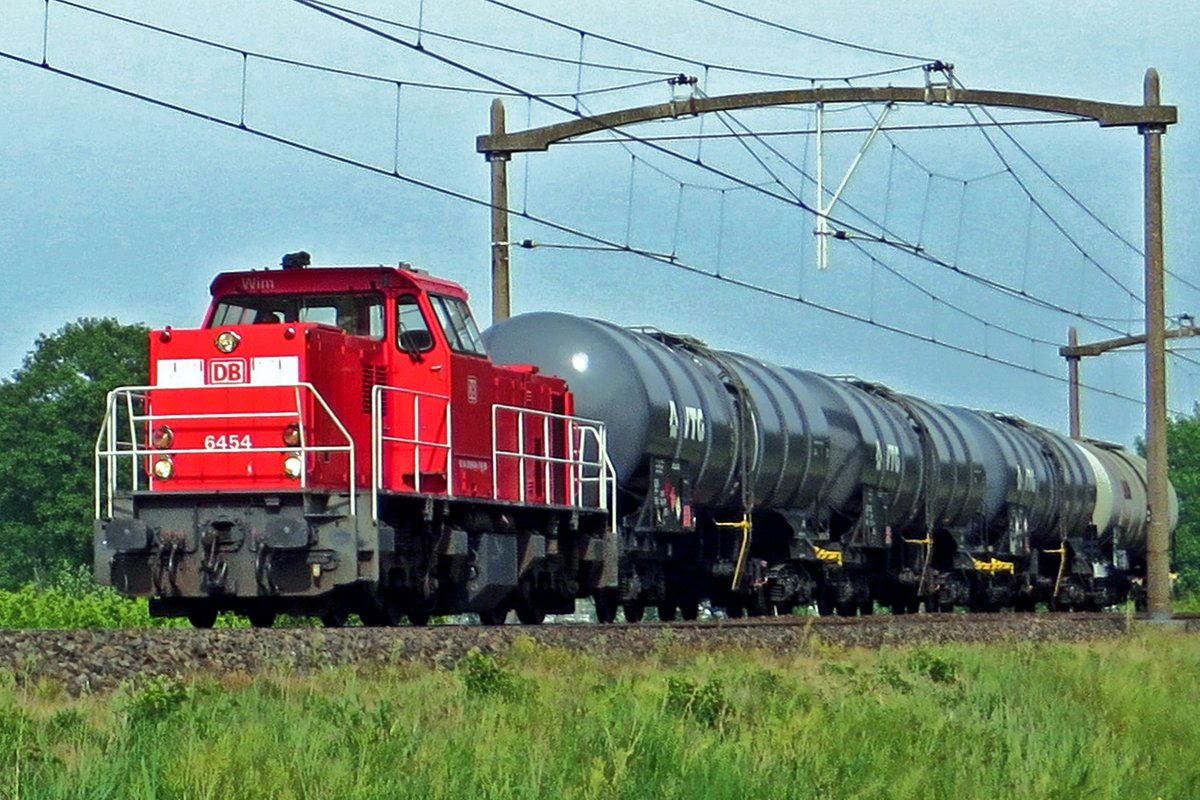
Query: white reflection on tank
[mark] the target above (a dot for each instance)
(580, 362)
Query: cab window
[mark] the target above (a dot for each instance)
(455, 318)
(412, 331)
(355, 314)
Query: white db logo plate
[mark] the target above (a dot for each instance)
(228, 370)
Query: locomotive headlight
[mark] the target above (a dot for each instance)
(227, 341)
(164, 467)
(291, 435)
(293, 466)
(163, 437)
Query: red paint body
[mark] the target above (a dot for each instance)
(229, 411)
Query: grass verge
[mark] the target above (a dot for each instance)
(1108, 720)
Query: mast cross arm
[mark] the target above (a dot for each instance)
(1105, 114)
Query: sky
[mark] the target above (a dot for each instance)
(114, 206)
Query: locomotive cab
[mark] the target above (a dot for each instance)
(335, 440)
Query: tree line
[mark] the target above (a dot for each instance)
(50, 412)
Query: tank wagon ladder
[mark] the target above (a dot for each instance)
(1064, 552)
(747, 447)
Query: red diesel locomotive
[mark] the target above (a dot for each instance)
(336, 441)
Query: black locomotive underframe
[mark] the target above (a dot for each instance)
(303, 553)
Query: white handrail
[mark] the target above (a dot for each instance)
(378, 440)
(580, 471)
(109, 448)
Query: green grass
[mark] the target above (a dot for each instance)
(1110, 720)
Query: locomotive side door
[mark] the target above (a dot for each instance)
(415, 405)
(473, 395)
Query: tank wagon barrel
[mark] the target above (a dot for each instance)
(758, 485)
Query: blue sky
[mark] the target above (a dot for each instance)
(114, 207)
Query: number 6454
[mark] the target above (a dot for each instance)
(227, 441)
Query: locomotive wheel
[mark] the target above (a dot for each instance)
(418, 619)
(494, 616)
(606, 606)
(866, 608)
(203, 617)
(335, 618)
(847, 609)
(374, 617)
(634, 611)
(529, 613)
(376, 612)
(666, 613)
(262, 619)
(824, 606)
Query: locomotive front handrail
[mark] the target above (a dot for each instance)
(110, 449)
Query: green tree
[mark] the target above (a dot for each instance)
(50, 411)
(1183, 460)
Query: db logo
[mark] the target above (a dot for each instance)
(227, 370)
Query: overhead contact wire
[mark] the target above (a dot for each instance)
(1053, 220)
(693, 61)
(809, 34)
(660, 75)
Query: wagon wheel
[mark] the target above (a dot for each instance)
(203, 617)
(848, 609)
(689, 610)
(634, 611)
(262, 618)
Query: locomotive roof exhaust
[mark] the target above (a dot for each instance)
(298, 260)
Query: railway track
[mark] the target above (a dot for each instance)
(101, 660)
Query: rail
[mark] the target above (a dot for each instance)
(420, 447)
(128, 409)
